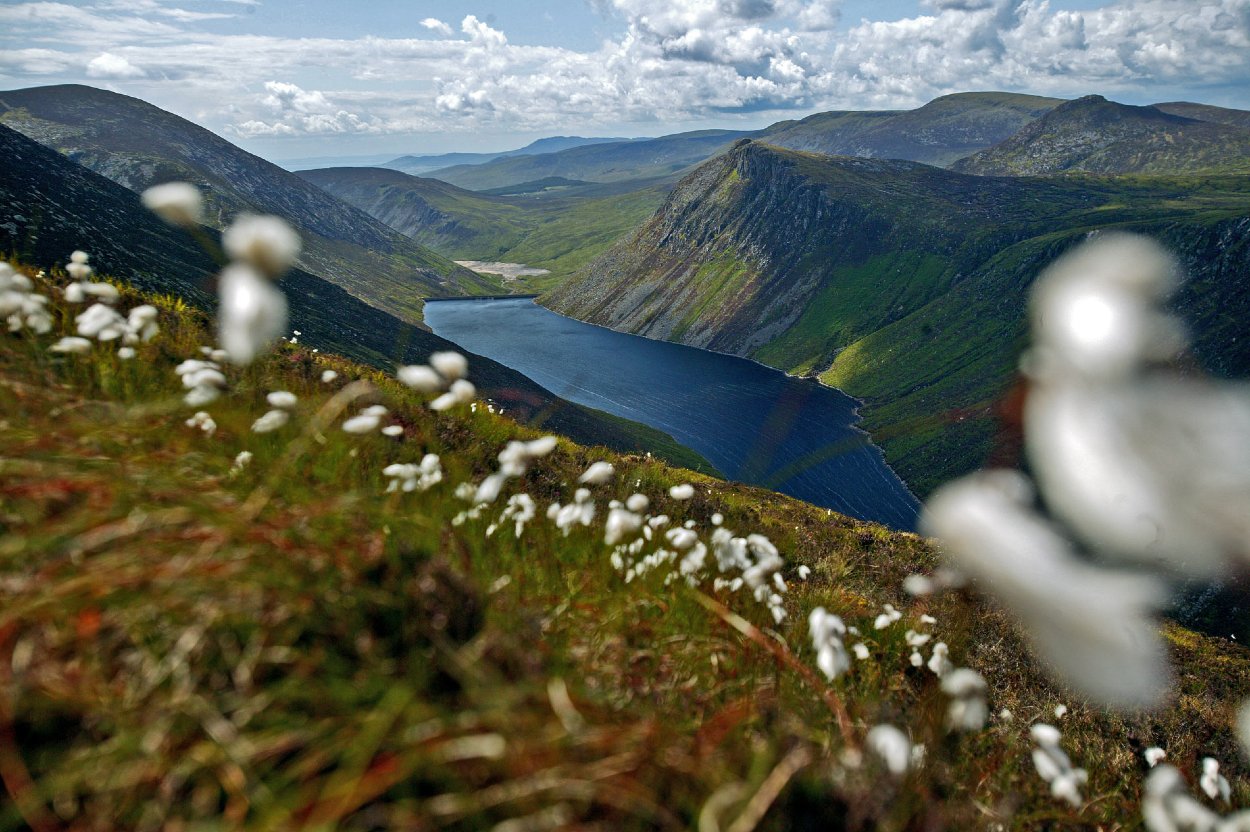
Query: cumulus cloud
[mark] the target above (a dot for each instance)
(668, 61)
(437, 26)
(108, 65)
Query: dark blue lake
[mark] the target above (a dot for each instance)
(755, 424)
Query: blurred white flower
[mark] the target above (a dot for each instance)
(77, 267)
(71, 344)
(282, 400)
(362, 423)
(637, 502)
(328, 376)
(450, 365)
(1154, 755)
(141, 324)
(685, 491)
(968, 709)
(252, 313)
(804, 572)
(265, 243)
(598, 473)
(827, 631)
(420, 377)
(271, 421)
(886, 618)
(940, 662)
(415, 477)
(20, 306)
(1054, 766)
(1214, 784)
(241, 461)
(1093, 626)
(1061, 711)
(126, 353)
(177, 203)
(461, 392)
(101, 322)
(892, 746)
(1167, 805)
(203, 421)
(393, 430)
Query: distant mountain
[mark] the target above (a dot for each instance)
(138, 145)
(559, 234)
(611, 162)
(1094, 135)
(50, 206)
(552, 144)
(945, 129)
(903, 284)
(1205, 112)
(308, 162)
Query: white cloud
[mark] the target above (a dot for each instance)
(670, 61)
(437, 26)
(108, 65)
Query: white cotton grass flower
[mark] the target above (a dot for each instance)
(1167, 806)
(1092, 626)
(282, 400)
(20, 306)
(177, 203)
(101, 322)
(886, 618)
(421, 378)
(804, 572)
(1214, 784)
(265, 243)
(1054, 766)
(126, 353)
(461, 392)
(77, 267)
(450, 365)
(271, 421)
(892, 746)
(968, 709)
(861, 650)
(621, 524)
(203, 380)
(393, 430)
(328, 376)
(409, 477)
(141, 324)
(241, 462)
(252, 313)
(598, 473)
(366, 421)
(637, 503)
(685, 491)
(827, 631)
(203, 421)
(71, 344)
(1143, 463)
(1061, 711)
(1005, 715)
(1154, 755)
(939, 661)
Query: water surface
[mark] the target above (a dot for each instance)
(757, 425)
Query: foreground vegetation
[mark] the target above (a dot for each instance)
(187, 641)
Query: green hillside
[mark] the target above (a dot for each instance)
(559, 228)
(100, 130)
(192, 642)
(1094, 135)
(901, 284)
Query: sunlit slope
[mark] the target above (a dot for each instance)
(138, 145)
(1094, 135)
(555, 227)
(900, 283)
(194, 641)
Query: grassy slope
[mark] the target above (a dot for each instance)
(902, 284)
(558, 231)
(290, 647)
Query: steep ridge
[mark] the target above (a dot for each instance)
(560, 231)
(138, 145)
(945, 129)
(900, 283)
(1094, 135)
(50, 205)
(1206, 112)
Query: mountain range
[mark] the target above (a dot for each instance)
(900, 283)
(51, 206)
(138, 145)
(552, 144)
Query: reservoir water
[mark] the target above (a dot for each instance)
(755, 424)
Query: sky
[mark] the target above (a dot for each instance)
(303, 78)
